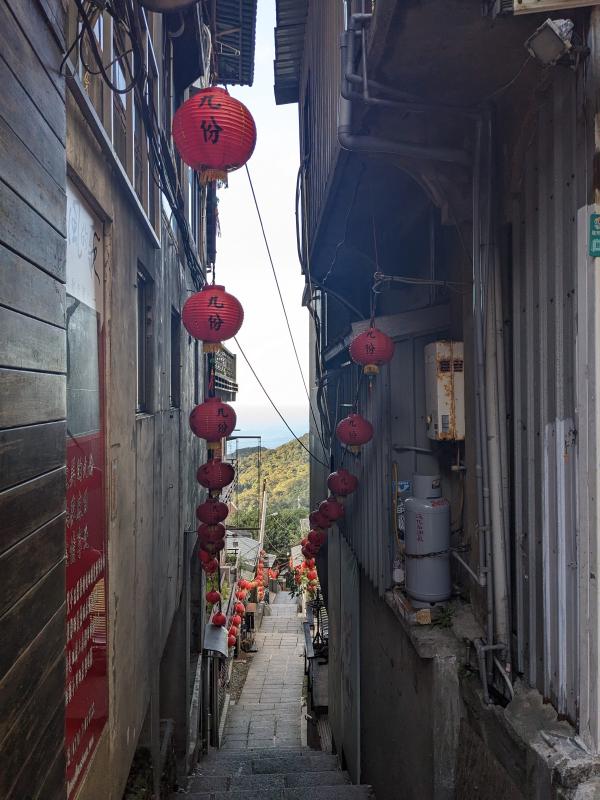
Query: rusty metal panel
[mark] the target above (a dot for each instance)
(544, 254)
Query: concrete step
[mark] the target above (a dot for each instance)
(266, 763)
(310, 793)
(227, 783)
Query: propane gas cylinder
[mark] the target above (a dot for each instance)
(427, 541)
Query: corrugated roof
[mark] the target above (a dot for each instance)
(235, 41)
(289, 46)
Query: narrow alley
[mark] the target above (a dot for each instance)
(262, 748)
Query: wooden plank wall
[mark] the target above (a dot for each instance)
(32, 399)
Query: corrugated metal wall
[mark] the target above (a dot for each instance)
(394, 405)
(319, 92)
(544, 218)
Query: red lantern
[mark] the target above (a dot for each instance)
(213, 597)
(239, 608)
(317, 538)
(310, 563)
(219, 619)
(212, 420)
(215, 474)
(312, 575)
(214, 133)
(233, 630)
(371, 349)
(318, 520)
(213, 547)
(331, 509)
(204, 556)
(236, 620)
(231, 640)
(354, 431)
(211, 533)
(342, 483)
(211, 566)
(212, 511)
(243, 584)
(241, 595)
(212, 315)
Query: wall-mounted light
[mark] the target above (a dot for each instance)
(555, 41)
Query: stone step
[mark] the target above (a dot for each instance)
(264, 762)
(224, 783)
(309, 793)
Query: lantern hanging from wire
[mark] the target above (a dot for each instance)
(371, 349)
(212, 511)
(211, 534)
(212, 315)
(214, 133)
(342, 483)
(213, 597)
(219, 619)
(215, 474)
(354, 431)
(331, 509)
(318, 520)
(213, 420)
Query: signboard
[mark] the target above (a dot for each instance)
(86, 676)
(543, 6)
(594, 241)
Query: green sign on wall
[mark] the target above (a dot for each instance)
(594, 244)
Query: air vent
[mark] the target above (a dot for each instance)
(445, 365)
(458, 365)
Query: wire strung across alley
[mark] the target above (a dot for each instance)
(281, 417)
(287, 321)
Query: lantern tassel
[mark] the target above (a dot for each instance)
(210, 175)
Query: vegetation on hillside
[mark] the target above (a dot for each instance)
(285, 470)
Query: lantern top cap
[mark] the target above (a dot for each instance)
(210, 287)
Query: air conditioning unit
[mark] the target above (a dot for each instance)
(445, 390)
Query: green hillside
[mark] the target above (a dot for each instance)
(285, 468)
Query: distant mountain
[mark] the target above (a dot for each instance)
(285, 468)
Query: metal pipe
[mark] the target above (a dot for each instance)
(376, 145)
(480, 579)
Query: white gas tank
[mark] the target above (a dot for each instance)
(427, 541)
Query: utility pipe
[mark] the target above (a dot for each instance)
(374, 144)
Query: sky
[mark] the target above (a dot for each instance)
(242, 263)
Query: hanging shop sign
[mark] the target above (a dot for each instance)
(86, 672)
(594, 242)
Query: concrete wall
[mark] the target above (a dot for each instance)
(151, 457)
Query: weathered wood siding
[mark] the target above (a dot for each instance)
(32, 399)
(319, 93)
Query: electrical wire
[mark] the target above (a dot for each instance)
(281, 417)
(285, 314)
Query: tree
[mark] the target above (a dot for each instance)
(282, 528)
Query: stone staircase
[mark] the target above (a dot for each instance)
(273, 774)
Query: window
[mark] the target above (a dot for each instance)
(143, 320)
(119, 106)
(175, 384)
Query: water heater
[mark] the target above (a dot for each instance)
(427, 541)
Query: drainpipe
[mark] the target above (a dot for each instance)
(376, 145)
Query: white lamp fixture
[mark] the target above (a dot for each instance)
(551, 41)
